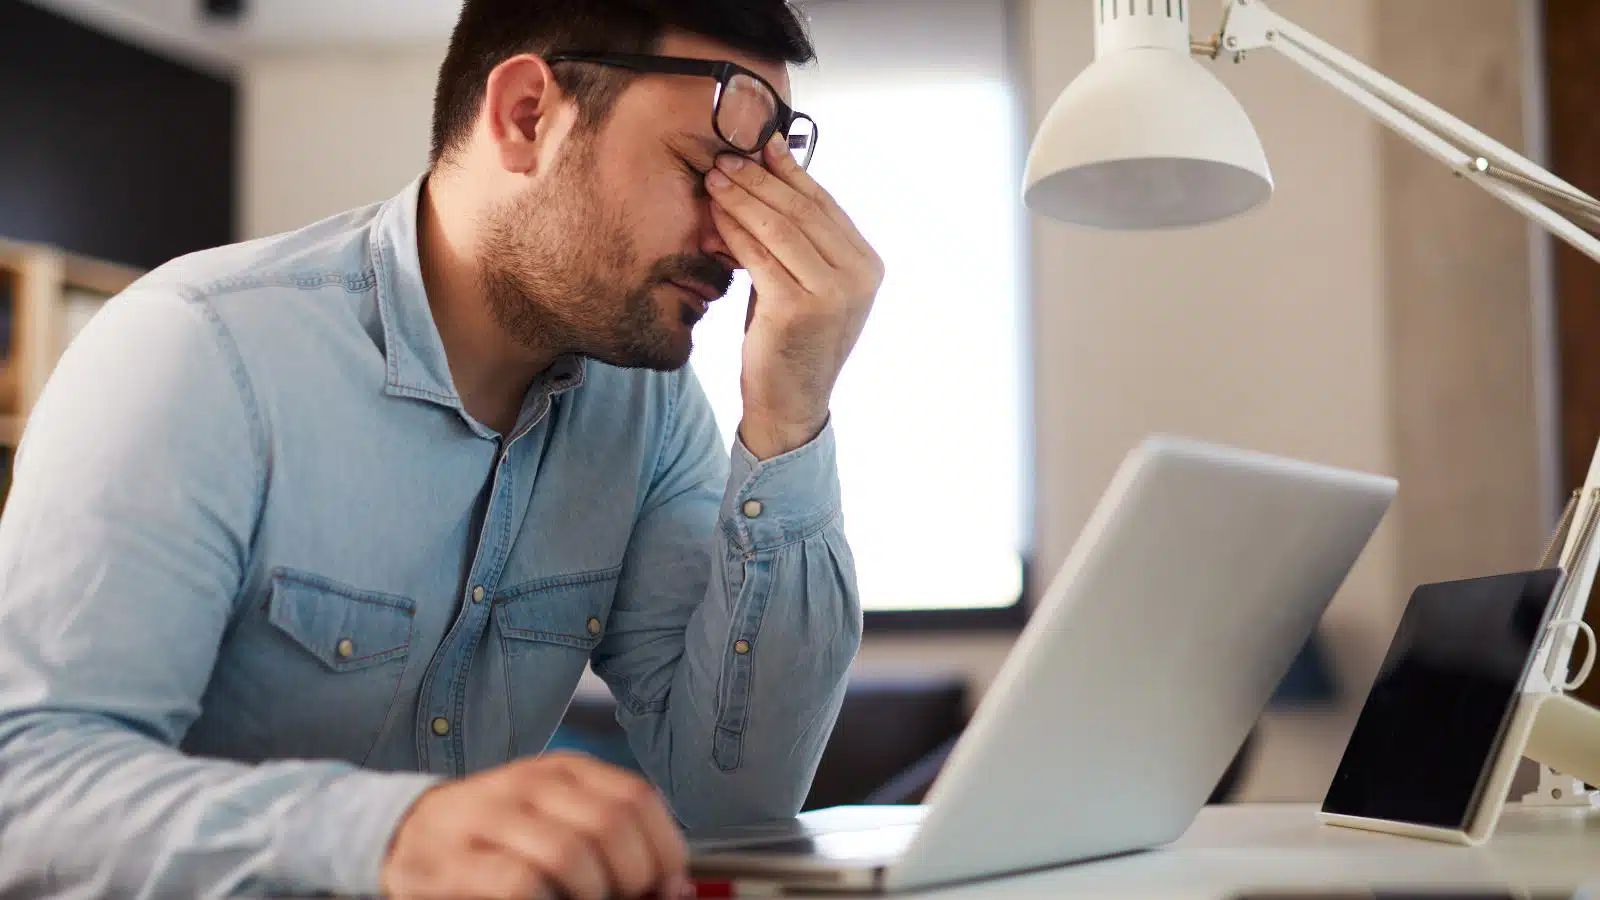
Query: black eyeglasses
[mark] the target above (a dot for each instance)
(746, 112)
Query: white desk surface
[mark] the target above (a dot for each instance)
(1233, 849)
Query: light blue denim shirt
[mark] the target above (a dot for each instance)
(263, 580)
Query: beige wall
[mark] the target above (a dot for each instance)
(325, 131)
(1291, 330)
(1465, 371)
(1267, 331)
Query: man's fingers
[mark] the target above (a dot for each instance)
(672, 850)
(493, 873)
(751, 253)
(649, 813)
(561, 854)
(779, 160)
(478, 870)
(613, 824)
(782, 237)
(794, 205)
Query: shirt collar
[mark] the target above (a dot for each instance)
(566, 373)
(413, 351)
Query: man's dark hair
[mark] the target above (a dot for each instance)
(489, 32)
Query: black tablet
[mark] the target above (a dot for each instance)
(1430, 731)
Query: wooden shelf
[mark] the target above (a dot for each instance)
(77, 271)
(41, 278)
(13, 255)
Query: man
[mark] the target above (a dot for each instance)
(312, 537)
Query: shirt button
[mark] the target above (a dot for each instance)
(345, 648)
(741, 647)
(478, 594)
(594, 627)
(752, 509)
(441, 726)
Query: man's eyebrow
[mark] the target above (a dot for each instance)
(711, 145)
(714, 147)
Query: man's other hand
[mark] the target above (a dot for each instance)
(558, 825)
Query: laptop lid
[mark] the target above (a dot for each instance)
(1200, 574)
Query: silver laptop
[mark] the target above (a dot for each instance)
(1199, 576)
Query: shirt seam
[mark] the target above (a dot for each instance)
(639, 707)
(505, 673)
(352, 282)
(574, 579)
(238, 372)
(228, 347)
(734, 715)
(670, 427)
(311, 581)
(391, 360)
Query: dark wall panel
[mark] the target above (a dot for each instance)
(109, 150)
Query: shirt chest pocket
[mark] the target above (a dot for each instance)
(344, 651)
(547, 630)
(568, 611)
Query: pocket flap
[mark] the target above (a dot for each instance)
(570, 609)
(346, 629)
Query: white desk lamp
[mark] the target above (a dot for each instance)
(1147, 138)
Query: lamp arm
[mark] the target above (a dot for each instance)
(1250, 25)
(1519, 183)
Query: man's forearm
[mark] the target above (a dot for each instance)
(757, 732)
(92, 807)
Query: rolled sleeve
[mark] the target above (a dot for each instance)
(773, 503)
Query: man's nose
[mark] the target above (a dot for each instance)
(712, 244)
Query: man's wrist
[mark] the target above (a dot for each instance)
(766, 440)
(343, 831)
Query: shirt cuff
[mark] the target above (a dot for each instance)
(339, 841)
(772, 503)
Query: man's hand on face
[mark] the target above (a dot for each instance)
(814, 278)
(558, 825)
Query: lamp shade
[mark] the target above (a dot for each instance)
(1145, 137)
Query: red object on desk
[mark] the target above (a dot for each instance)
(728, 890)
(705, 890)
(724, 889)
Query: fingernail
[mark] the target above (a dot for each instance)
(730, 163)
(779, 145)
(718, 180)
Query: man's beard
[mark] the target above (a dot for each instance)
(556, 270)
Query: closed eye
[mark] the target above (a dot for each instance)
(699, 177)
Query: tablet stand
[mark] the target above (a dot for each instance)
(1559, 732)
(1564, 737)
(1565, 741)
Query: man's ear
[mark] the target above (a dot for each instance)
(519, 99)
